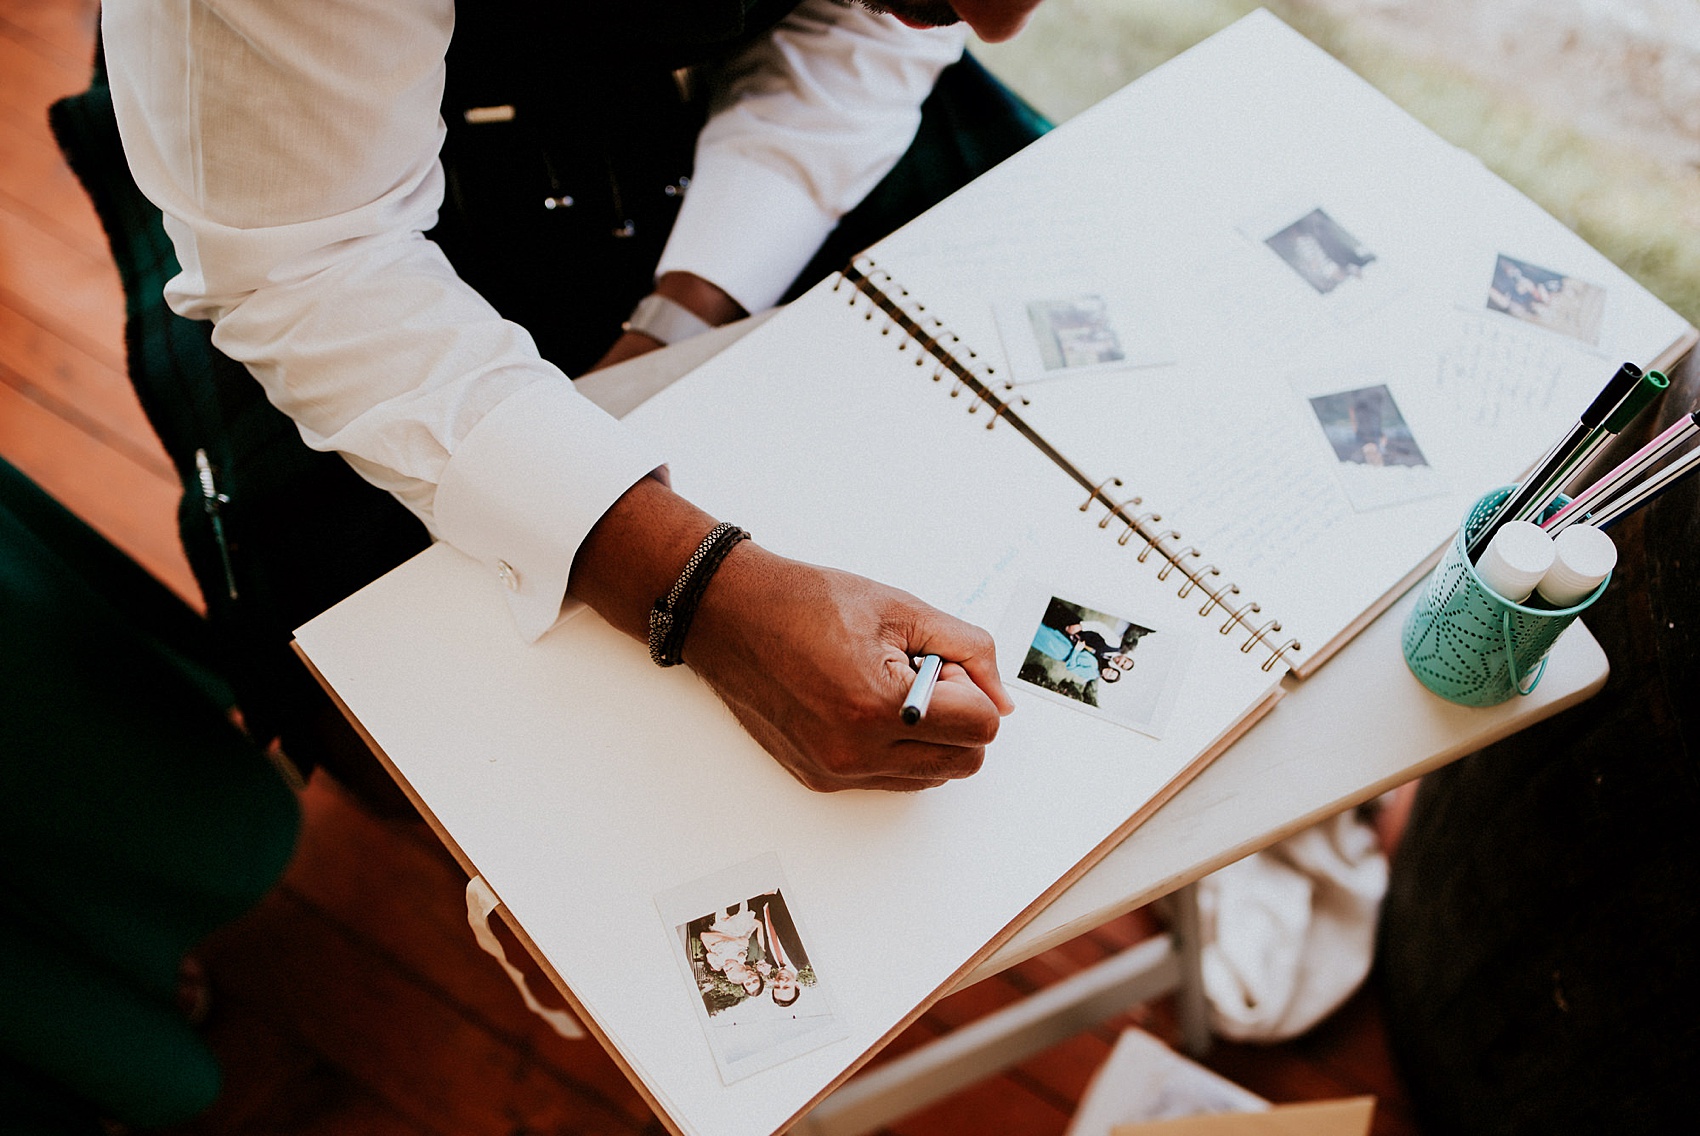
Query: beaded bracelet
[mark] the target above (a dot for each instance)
(670, 618)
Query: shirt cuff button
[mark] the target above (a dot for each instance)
(510, 578)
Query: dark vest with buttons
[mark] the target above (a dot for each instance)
(571, 129)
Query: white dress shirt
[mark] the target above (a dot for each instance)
(293, 150)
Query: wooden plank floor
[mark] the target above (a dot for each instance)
(353, 999)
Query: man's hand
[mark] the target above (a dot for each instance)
(814, 662)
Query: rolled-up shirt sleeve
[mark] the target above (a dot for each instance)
(803, 124)
(293, 150)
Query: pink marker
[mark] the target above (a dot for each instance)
(1614, 482)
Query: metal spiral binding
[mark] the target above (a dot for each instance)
(1157, 544)
(1219, 596)
(1258, 636)
(933, 339)
(1170, 563)
(1239, 616)
(1275, 656)
(1098, 491)
(1116, 514)
(1193, 579)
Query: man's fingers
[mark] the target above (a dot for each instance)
(970, 649)
(892, 785)
(921, 765)
(926, 761)
(983, 671)
(904, 766)
(961, 714)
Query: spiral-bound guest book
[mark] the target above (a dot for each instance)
(1171, 402)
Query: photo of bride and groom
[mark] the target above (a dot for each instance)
(1104, 664)
(757, 995)
(1075, 649)
(748, 950)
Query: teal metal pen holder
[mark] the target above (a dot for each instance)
(1471, 645)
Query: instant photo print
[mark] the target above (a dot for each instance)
(1070, 332)
(1329, 268)
(1323, 254)
(757, 993)
(1547, 299)
(1376, 457)
(1120, 667)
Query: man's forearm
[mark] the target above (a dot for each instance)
(635, 552)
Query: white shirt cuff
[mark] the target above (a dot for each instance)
(731, 197)
(526, 486)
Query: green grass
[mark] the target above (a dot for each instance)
(1644, 215)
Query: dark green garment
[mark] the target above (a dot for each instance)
(134, 819)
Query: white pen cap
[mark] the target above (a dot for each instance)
(1516, 559)
(1582, 557)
